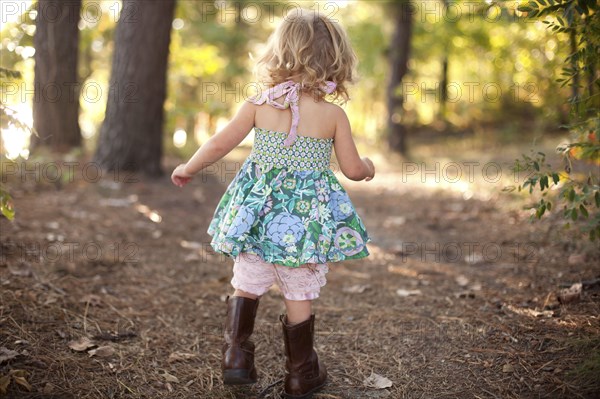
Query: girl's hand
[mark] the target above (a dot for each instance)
(369, 164)
(180, 177)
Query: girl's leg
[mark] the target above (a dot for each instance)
(245, 294)
(297, 311)
(238, 350)
(305, 372)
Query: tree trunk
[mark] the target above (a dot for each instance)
(56, 85)
(132, 132)
(444, 77)
(399, 53)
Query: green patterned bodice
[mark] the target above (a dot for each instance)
(307, 153)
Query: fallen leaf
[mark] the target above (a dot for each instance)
(576, 259)
(476, 287)
(191, 244)
(356, 289)
(53, 225)
(405, 293)
(22, 381)
(508, 368)
(116, 202)
(529, 312)
(170, 378)
(22, 272)
(193, 257)
(102, 351)
(462, 281)
(82, 344)
(571, 294)
(48, 389)
(4, 383)
(178, 356)
(377, 381)
(51, 298)
(394, 221)
(7, 354)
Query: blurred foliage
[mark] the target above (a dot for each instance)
(578, 193)
(502, 66)
(6, 208)
(8, 118)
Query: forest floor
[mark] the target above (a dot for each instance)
(109, 289)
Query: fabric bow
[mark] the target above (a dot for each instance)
(291, 91)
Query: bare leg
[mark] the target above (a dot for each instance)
(298, 311)
(244, 294)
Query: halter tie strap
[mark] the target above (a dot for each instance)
(291, 91)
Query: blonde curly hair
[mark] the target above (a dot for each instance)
(309, 48)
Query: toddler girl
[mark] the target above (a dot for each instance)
(285, 214)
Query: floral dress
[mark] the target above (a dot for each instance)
(285, 204)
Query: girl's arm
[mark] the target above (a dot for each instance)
(218, 145)
(352, 165)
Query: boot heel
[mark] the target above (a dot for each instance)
(308, 395)
(238, 377)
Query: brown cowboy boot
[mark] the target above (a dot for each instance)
(305, 373)
(238, 351)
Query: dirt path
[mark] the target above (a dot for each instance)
(456, 301)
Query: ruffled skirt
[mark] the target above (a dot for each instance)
(288, 217)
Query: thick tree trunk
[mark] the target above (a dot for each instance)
(132, 133)
(399, 53)
(56, 85)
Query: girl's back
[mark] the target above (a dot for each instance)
(318, 119)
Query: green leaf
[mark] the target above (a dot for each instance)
(543, 182)
(555, 178)
(584, 211)
(571, 195)
(583, 7)
(597, 199)
(549, 206)
(574, 214)
(540, 211)
(6, 207)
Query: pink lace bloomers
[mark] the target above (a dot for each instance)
(254, 275)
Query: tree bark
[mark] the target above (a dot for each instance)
(399, 55)
(132, 132)
(444, 77)
(56, 84)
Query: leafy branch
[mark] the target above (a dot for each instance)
(579, 196)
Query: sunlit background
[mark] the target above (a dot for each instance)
(501, 69)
